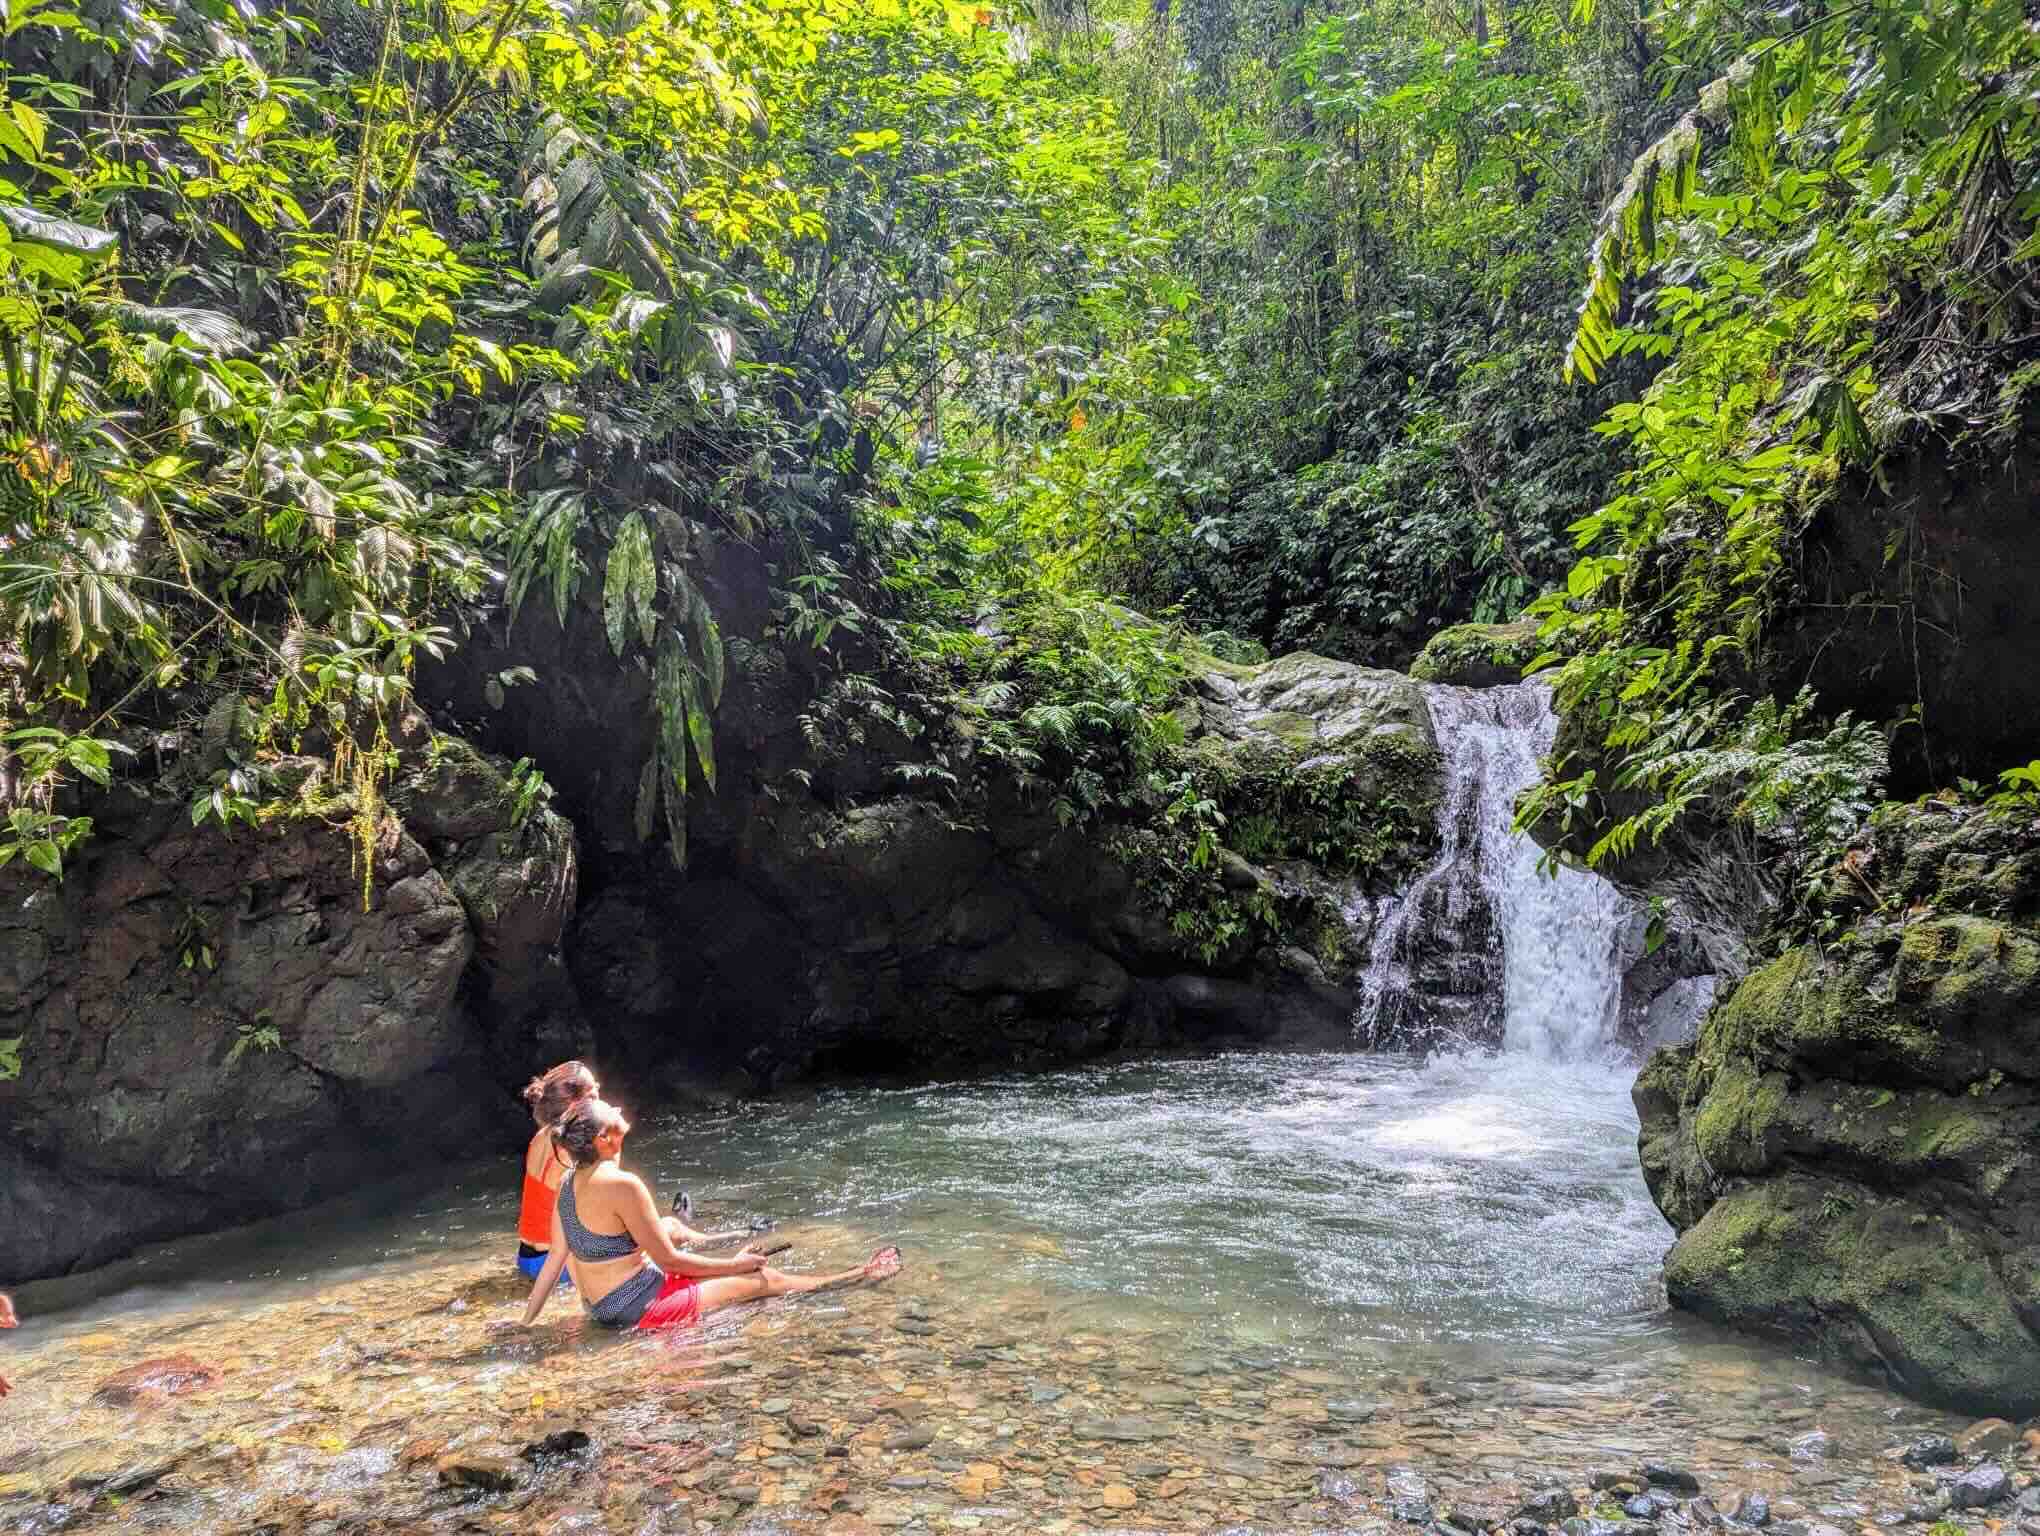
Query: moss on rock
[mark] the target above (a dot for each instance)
(1874, 1282)
(1848, 1147)
(1479, 655)
(1324, 769)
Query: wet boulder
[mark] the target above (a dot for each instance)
(220, 1027)
(1980, 1487)
(1847, 1150)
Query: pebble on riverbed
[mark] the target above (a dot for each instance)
(155, 1380)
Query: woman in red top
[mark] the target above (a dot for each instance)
(550, 1097)
(545, 1164)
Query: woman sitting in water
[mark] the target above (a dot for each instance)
(550, 1097)
(621, 1254)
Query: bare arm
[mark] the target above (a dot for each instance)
(641, 1220)
(549, 1275)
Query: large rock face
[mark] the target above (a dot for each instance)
(1849, 1149)
(890, 939)
(212, 1027)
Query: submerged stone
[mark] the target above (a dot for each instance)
(1929, 1451)
(467, 1469)
(169, 1376)
(1980, 1487)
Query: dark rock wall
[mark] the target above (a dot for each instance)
(1918, 592)
(148, 1104)
(890, 942)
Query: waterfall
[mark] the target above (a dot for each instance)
(1484, 949)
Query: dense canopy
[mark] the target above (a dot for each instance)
(999, 355)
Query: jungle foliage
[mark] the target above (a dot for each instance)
(333, 331)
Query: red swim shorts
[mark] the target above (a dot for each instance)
(677, 1304)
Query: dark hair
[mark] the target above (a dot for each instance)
(558, 1091)
(577, 1129)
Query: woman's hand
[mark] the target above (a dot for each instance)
(747, 1262)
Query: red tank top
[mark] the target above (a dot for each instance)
(534, 1217)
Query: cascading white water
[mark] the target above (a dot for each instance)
(1483, 919)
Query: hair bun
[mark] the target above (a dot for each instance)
(533, 1091)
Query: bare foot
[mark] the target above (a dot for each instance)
(883, 1265)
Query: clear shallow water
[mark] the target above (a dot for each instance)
(1326, 1202)
(1371, 1206)
(1234, 1252)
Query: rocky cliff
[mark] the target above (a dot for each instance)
(215, 1026)
(1848, 1149)
(892, 936)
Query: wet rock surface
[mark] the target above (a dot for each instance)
(373, 1407)
(889, 936)
(214, 1028)
(1847, 1149)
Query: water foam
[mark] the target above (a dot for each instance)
(1562, 938)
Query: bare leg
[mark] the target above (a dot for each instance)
(728, 1290)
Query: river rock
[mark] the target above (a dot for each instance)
(1129, 1429)
(1333, 1484)
(1409, 1496)
(1812, 1446)
(1548, 1506)
(1929, 1451)
(558, 1437)
(108, 1466)
(1663, 1475)
(1472, 1515)
(1753, 1509)
(911, 1440)
(154, 1380)
(1986, 1437)
(1980, 1487)
(472, 1469)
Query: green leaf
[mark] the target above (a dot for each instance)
(709, 634)
(43, 854)
(700, 726)
(629, 584)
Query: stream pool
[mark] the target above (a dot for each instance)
(1182, 1294)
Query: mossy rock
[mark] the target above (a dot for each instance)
(1849, 1146)
(1878, 1283)
(1479, 655)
